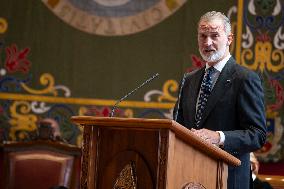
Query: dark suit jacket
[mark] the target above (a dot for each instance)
(259, 184)
(236, 107)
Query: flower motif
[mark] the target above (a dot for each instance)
(17, 60)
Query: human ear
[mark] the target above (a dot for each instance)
(230, 39)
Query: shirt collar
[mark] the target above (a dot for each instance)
(220, 65)
(253, 176)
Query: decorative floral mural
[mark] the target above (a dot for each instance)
(26, 99)
(24, 107)
(261, 50)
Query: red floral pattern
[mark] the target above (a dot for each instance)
(279, 95)
(16, 60)
(104, 112)
(196, 63)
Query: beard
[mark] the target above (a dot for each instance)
(214, 56)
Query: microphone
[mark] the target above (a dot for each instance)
(134, 90)
(179, 95)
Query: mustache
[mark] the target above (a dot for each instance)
(209, 48)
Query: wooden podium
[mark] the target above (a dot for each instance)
(133, 153)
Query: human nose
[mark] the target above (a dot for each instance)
(208, 41)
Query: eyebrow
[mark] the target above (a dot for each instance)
(208, 32)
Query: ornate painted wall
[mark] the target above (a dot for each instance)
(260, 48)
(60, 58)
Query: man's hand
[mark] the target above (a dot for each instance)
(210, 136)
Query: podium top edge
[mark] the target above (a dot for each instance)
(106, 121)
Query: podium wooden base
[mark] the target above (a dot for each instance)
(147, 153)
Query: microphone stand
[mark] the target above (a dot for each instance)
(127, 95)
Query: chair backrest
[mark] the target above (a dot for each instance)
(41, 164)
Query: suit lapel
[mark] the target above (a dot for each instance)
(194, 90)
(221, 86)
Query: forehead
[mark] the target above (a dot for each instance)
(215, 25)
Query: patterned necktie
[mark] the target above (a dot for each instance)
(205, 91)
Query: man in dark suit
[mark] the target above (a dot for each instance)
(223, 102)
(256, 182)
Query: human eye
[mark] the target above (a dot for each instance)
(214, 35)
(202, 36)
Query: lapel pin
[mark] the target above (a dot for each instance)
(228, 82)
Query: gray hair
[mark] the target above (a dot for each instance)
(217, 15)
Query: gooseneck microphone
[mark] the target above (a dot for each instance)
(179, 95)
(133, 91)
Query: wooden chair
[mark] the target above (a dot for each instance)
(1, 165)
(277, 182)
(41, 164)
